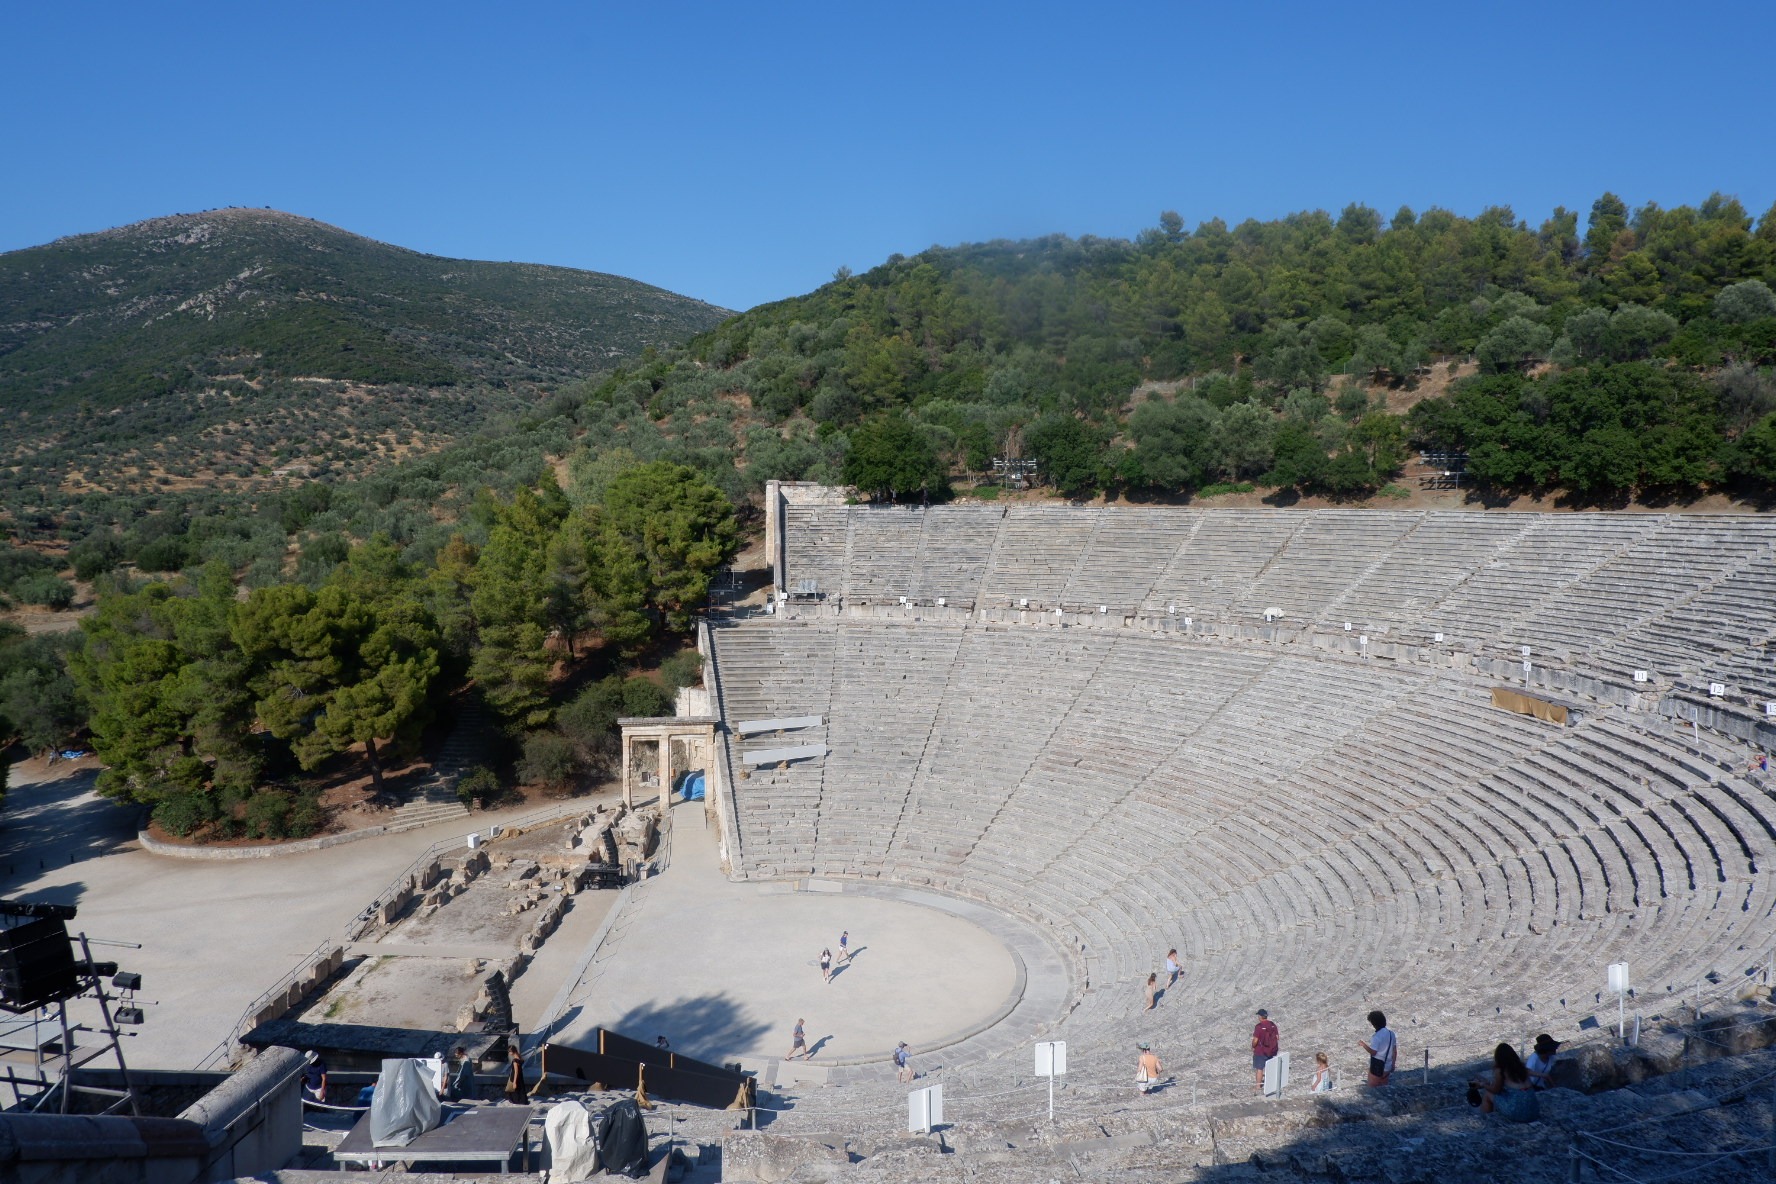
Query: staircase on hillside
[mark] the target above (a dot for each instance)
(435, 800)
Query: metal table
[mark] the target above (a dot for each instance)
(477, 1134)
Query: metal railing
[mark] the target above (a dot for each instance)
(223, 1052)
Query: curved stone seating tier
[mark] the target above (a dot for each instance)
(1613, 593)
(1310, 830)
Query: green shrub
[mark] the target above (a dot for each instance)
(986, 493)
(1225, 487)
(267, 814)
(306, 816)
(1397, 492)
(95, 555)
(683, 669)
(183, 813)
(550, 760)
(45, 589)
(167, 553)
(589, 722)
(480, 786)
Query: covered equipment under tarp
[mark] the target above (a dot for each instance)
(1522, 704)
(573, 1155)
(622, 1063)
(623, 1140)
(405, 1105)
(690, 786)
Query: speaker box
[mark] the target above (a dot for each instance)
(36, 965)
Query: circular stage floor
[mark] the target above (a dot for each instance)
(724, 970)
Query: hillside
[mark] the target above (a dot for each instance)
(214, 347)
(1619, 359)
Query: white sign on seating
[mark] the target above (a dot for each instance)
(1051, 1062)
(1276, 1075)
(1618, 977)
(776, 756)
(1640, 676)
(1716, 689)
(1770, 710)
(925, 1109)
(1437, 637)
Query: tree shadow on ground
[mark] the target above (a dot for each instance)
(709, 1027)
(57, 822)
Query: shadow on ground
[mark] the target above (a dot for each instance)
(707, 1026)
(57, 822)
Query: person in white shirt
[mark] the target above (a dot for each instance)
(1383, 1049)
(1173, 969)
(1541, 1062)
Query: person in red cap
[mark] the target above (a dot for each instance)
(1264, 1046)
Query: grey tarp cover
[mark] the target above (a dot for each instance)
(573, 1156)
(405, 1105)
(623, 1140)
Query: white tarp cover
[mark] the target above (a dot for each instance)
(405, 1105)
(573, 1155)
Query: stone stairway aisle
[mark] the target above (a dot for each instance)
(435, 799)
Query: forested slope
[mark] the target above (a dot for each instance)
(1275, 346)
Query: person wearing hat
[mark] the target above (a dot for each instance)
(1147, 1069)
(1541, 1062)
(902, 1062)
(1264, 1046)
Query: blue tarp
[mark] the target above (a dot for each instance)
(690, 786)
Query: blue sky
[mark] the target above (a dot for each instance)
(740, 153)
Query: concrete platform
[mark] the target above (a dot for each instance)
(723, 970)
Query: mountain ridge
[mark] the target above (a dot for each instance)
(210, 347)
(129, 281)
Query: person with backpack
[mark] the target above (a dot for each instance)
(1264, 1047)
(903, 1063)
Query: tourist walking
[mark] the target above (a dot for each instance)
(515, 1092)
(1384, 1050)
(826, 965)
(314, 1079)
(798, 1043)
(1264, 1047)
(1152, 991)
(903, 1062)
(462, 1075)
(845, 945)
(1172, 969)
(1147, 1069)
